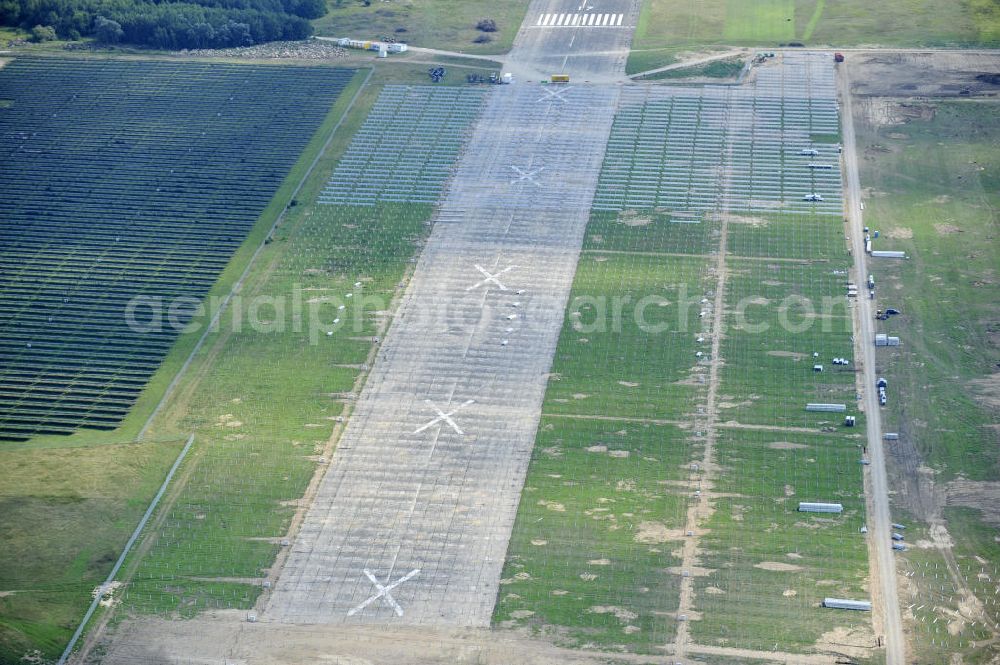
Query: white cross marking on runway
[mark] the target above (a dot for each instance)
(490, 277)
(383, 592)
(554, 94)
(526, 175)
(444, 417)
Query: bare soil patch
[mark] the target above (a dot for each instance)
(785, 445)
(655, 532)
(926, 74)
(984, 496)
(633, 218)
(778, 566)
(987, 390)
(945, 229)
(737, 219)
(900, 233)
(845, 641)
(620, 612)
(794, 355)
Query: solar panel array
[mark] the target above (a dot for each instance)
(407, 147)
(122, 179)
(765, 147)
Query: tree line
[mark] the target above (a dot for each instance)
(165, 24)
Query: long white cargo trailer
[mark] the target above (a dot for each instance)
(809, 507)
(832, 408)
(846, 604)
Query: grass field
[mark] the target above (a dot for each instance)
(770, 565)
(939, 202)
(593, 557)
(669, 27)
(89, 501)
(608, 363)
(600, 515)
(783, 313)
(256, 454)
(729, 68)
(449, 25)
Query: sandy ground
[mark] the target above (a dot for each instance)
(927, 74)
(227, 638)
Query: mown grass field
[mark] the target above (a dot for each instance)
(782, 314)
(628, 344)
(932, 190)
(449, 25)
(594, 552)
(66, 513)
(770, 565)
(669, 27)
(599, 515)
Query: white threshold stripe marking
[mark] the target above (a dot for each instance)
(576, 20)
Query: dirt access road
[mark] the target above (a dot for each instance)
(879, 519)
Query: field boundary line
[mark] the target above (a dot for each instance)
(769, 428)
(622, 419)
(128, 547)
(705, 483)
(774, 259)
(770, 656)
(238, 284)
